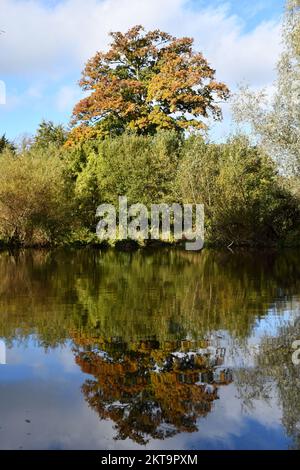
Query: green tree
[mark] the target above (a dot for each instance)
(238, 184)
(49, 134)
(5, 144)
(143, 168)
(34, 201)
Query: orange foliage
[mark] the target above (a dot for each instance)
(145, 82)
(145, 388)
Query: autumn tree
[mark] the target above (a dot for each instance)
(145, 82)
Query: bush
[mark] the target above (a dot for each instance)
(143, 168)
(244, 199)
(34, 207)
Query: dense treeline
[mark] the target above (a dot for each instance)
(139, 133)
(50, 194)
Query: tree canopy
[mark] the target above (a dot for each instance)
(6, 144)
(49, 133)
(145, 82)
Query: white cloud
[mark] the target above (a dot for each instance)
(251, 57)
(66, 97)
(32, 95)
(39, 40)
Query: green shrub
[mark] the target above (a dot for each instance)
(244, 198)
(143, 168)
(34, 200)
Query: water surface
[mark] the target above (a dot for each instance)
(156, 350)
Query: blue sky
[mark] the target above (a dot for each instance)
(46, 43)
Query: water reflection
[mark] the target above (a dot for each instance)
(156, 338)
(274, 367)
(152, 389)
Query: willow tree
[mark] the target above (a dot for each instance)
(277, 124)
(145, 82)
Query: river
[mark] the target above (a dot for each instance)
(162, 349)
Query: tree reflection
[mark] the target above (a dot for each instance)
(169, 294)
(151, 389)
(275, 374)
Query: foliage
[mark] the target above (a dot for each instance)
(49, 134)
(142, 168)
(145, 82)
(34, 206)
(5, 144)
(276, 122)
(244, 200)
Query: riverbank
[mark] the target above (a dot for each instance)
(132, 245)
